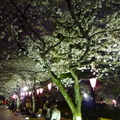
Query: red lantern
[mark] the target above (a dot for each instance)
(41, 90)
(49, 86)
(38, 91)
(93, 82)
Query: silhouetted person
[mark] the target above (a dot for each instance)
(55, 113)
(47, 108)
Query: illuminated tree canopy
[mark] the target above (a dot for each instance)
(20, 72)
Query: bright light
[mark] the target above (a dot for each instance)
(38, 91)
(25, 88)
(49, 86)
(14, 96)
(114, 101)
(103, 101)
(85, 95)
(41, 90)
(30, 93)
(7, 107)
(93, 82)
(26, 118)
(39, 115)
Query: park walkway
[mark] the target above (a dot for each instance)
(6, 114)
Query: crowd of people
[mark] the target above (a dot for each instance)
(49, 112)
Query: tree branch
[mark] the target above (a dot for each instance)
(74, 18)
(27, 23)
(98, 13)
(82, 63)
(101, 32)
(59, 36)
(88, 61)
(27, 7)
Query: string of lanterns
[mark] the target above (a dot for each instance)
(49, 86)
(29, 93)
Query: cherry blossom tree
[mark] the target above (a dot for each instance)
(19, 73)
(63, 36)
(110, 88)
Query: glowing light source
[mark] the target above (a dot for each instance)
(49, 86)
(41, 90)
(85, 95)
(39, 115)
(114, 102)
(38, 91)
(93, 82)
(25, 88)
(14, 96)
(30, 93)
(26, 118)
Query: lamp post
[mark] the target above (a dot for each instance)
(93, 84)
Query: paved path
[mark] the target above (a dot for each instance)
(6, 114)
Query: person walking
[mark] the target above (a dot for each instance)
(55, 113)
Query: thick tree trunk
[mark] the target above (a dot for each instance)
(75, 107)
(77, 117)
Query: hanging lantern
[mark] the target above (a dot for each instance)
(38, 91)
(41, 90)
(30, 93)
(49, 86)
(93, 82)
